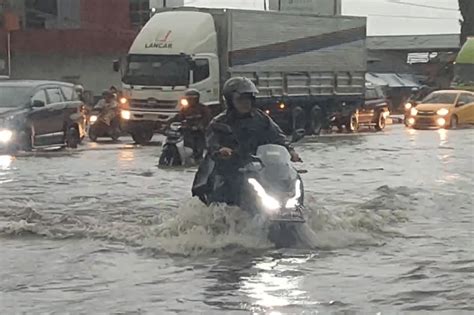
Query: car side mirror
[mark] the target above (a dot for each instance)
(37, 104)
(116, 65)
(460, 104)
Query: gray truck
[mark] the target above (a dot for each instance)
(310, 69)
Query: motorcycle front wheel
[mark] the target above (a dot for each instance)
(169, 156)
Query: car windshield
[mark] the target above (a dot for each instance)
(14, 96)
(440, 98)
(157, 70)
(464, 73)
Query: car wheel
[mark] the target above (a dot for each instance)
(381, 122)
(72, 138)
(352, 124)
(453, 124)
(142, 137)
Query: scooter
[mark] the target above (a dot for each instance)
(272, 191)
(174, 152)
(98, 128)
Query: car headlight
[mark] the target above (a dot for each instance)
(6, 135)
(413, 111)
(126, 114)
(293, 202)
(268, 202)
(93, 119)
(443, 112)
(408, 106)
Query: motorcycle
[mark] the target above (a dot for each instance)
(98, 128)
(174, 152)
(272, 191)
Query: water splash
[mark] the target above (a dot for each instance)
(194, 229)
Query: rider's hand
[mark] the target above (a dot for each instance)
(225, 153)
(295, 157)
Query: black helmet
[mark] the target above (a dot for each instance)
(239, 85)
(107, 93)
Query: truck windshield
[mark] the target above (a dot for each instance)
(157, 70)
(14, 96)
(464, 73)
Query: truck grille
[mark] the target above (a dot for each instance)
(153, 104)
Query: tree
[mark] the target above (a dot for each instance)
(467, 24)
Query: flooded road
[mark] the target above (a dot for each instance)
(102, 230)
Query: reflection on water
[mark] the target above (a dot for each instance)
(443, 136)
(126, 155)
(5, 162)
(277, 283)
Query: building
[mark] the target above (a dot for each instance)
(70, 40)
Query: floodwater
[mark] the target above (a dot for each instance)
(103, 231)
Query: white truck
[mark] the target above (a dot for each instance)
(307, 68)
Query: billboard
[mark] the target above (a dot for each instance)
(320, 7)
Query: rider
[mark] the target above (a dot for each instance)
(108, 107)
(233, 135)
(196, 117)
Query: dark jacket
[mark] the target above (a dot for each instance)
(197, 117)
(244, 136)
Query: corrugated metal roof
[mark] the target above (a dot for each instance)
(393, 80)
(414, 42)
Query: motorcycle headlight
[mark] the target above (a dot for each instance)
(293, 202)
(413, 111)
(93, 119)
(268, 202)
(6, 135)
(408, 106)
(443, 112)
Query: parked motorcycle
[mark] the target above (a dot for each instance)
(98, 127)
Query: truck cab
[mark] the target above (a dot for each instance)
(176, 50)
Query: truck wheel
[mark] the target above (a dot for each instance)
(352, 124)
(316, 121)
(72, 138)
(381, 122)
(142, 137)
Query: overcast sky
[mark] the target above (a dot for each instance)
(386, 17)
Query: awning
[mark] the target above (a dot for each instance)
(393, 80)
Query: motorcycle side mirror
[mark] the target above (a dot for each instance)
(298, 135)
(221, 128)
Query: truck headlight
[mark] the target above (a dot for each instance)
(126, 114)
(268, 202)
(5, 135)
(413, 111)
(293, 202)
(443, 112)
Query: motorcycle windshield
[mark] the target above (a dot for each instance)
(277, 171)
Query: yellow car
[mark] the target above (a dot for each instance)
(443, 109)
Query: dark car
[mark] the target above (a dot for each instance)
(39, 114)
(375, 110)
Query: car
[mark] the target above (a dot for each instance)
(443, 109)
(375, 110)
(38, 114)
